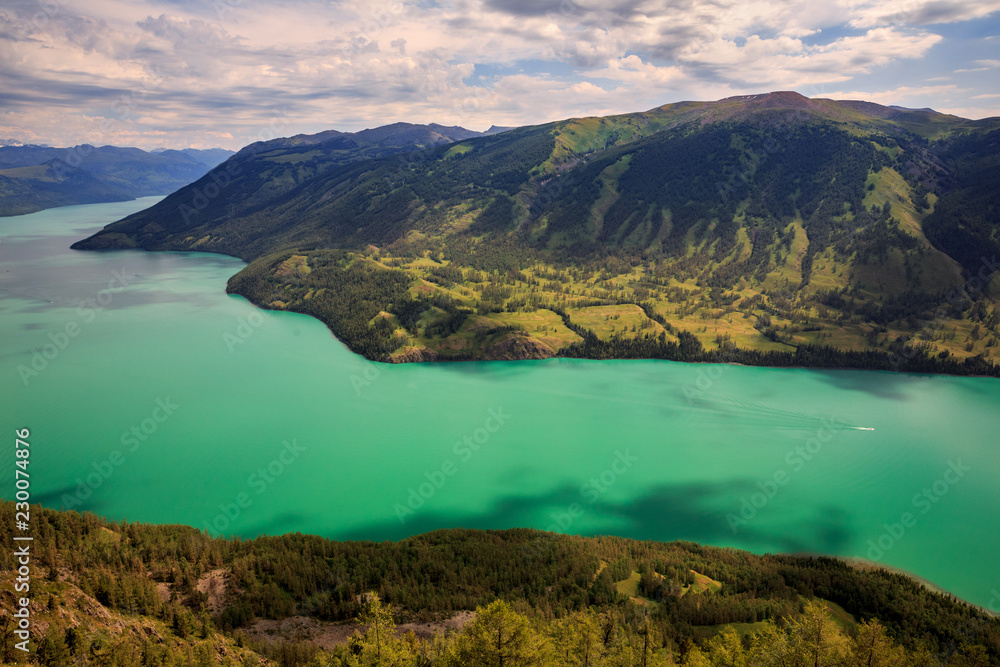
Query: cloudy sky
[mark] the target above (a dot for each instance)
(203, 73)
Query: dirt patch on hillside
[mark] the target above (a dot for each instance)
(164, 591)
(328, 635)
(213, 584)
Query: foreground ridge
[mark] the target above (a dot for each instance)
(106, 592)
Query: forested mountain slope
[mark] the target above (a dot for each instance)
(52, 183)
(765, 229)
(125, 594)
(33, 178)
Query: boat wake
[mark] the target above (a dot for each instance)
(748, 412)
(751, 411)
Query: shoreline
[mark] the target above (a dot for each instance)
(865, 564)
(437, 359)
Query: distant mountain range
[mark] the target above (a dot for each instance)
(14, 142)
(33, 178)
(766, 228)
(387, 138)
(207, 156)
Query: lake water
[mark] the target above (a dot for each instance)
(151, 395)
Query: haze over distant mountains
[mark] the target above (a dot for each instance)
(35, 177)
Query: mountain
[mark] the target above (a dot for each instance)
(768, 228)
(52, 183)
(265, 172)
(119, 593)
(115, 174)
(497, 129)
(373, 142)
(211, 157)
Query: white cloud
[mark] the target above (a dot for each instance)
(868, 13)
(632, 69)
(973, 112)
(158, 73)
(789, 63)
(907, 96)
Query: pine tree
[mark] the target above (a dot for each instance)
(695, 658)
(379, 645)
(816, 641)
(577, 639)
(769, 647)
(499, 637)
(52, 650)
(872, 647)
(726, 649)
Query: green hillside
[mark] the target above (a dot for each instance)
(33, 178)
(53, 183)
(769, 229)
(125, 594)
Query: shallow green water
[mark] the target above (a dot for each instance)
(379, 452)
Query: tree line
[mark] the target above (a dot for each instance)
(556, 582)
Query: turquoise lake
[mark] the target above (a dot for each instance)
(151, 395)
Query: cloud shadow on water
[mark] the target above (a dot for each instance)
(65, 498)
(882, 384)
(663, 513)
(279, 525)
